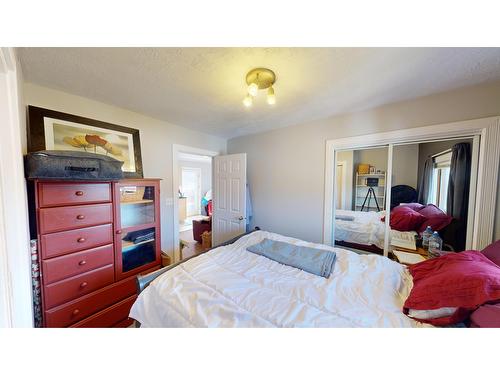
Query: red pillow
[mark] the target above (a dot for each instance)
(492, 252)
(414, 206)
(434, 218)
(464, 280)
(431, 210)
(404, 219)
(487, 316)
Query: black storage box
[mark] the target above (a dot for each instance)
(372, 181)
(72, 165)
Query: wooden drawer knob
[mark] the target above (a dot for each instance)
(82, 262)
(79, 193)
(80, 217)
(75, 312)
(84, 284)
(80, 240)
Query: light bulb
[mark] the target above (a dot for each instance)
(271, 98)
(253, 89)
(247, 102)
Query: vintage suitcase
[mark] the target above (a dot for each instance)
(72, 165)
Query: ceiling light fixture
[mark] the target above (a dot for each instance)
(253, 88)
(271, 98)
(260, 79)
(247, 102)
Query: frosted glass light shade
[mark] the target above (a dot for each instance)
(271, 98)
(247, 102)
(253, 89)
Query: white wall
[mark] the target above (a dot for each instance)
(376, 157)
(405, 165)
(286, 166)
(157, 138)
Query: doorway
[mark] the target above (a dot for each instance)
(192, 196)
(191, 189)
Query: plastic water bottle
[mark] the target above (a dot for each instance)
(426, 235)
(435, 244)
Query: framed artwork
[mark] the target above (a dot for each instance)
(52, 130)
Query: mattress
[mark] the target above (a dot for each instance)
(232, 287)
(367, 228)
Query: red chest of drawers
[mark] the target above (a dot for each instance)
(86, 279)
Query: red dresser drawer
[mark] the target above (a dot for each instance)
(108, 317)
(59, 268)
(57, 219)
(60, 243)
(62, 194)
(71, 312)
(76, 286)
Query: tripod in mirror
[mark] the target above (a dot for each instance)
(369, 195)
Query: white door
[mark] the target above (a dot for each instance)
(229, 200)
(342, 200)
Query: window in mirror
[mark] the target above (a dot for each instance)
(440, 180)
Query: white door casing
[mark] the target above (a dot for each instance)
(229, 197)
(16, 304)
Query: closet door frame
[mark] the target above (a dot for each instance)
(487, 174)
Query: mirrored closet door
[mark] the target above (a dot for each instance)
(360, 198)
(401, 196)
(430, 195)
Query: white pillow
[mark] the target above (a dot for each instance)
(432, 314)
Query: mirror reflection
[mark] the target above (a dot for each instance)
(361, 199)
(430, 201)
(429, 197)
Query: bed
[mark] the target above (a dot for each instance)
(365, 232)
(231, 287)
(366, 228)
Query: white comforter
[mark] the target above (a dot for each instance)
(367, 228)
(232, 287)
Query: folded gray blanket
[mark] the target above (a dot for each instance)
(316, 261)
(344, 217)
